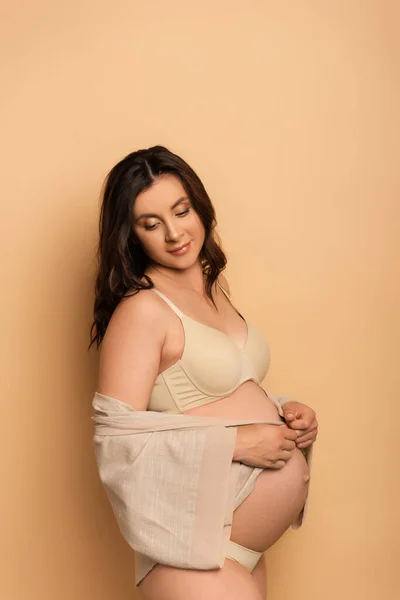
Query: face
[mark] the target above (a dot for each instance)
(166, 224)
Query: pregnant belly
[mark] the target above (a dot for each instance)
(273, 506)
(278, 495)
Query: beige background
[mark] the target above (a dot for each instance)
(289, 113)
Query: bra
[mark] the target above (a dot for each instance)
(212, 365)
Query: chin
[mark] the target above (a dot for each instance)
(181, 264)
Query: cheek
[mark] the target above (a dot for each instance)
(198, 227)
(151, 243)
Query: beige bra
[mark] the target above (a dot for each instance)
(212, 366)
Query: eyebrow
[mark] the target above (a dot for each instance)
(153, 215)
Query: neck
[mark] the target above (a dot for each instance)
(192, 277)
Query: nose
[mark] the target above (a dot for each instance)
(172, 234)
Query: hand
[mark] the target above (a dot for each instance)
(263, 445)
(302, 418)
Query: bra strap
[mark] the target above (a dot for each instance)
(168, 301)
(224, 291)
(230, 301)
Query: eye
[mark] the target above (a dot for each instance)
(183, 213)
(150, 227)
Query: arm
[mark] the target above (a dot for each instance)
(131, 350)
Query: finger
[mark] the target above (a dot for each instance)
(298, 424)
(289, 416)
(306, 438)
(305, 444)
(307, 435)
(289, 445)
(284, 455)
(313, 427)
(291, 434)
(314, 424)
(278, 464)
(306, 416)
(311, 435)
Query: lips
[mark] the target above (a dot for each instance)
(180, 249)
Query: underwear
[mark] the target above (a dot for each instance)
(211, 367)
(246, 557)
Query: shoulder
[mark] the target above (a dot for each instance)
(144, 303)
(142, 310)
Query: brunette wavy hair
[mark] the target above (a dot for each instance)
(121, 260)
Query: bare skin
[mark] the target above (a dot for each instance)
(145, 337)
(232, 582)
(279, 492)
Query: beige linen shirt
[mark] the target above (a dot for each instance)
(171, 482)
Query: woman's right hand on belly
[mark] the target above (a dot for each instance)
(265, 446)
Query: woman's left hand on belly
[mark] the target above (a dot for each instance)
(302, 418)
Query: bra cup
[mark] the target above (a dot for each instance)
(211, 366)
(211, 359)
(258, 352)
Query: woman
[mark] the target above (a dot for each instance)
(172, 342)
